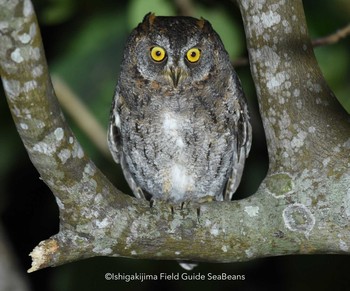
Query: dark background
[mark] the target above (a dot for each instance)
(83, 42)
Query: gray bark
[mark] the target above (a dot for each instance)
(302, 206)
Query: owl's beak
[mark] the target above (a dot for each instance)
(175, 75)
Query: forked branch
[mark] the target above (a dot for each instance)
(303, 205)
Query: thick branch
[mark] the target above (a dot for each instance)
(51, 145)
(306, 128)
(303, 206)
(327, 40)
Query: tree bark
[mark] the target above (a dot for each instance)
(302, 206)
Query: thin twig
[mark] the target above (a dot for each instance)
(240, 62)
(185, 7)
(332, 38)
(327, 40)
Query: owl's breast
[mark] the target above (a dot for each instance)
(178, 152)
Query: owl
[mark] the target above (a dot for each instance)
(179, 123)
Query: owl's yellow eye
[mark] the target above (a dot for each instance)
(193, 55)
(158, 54)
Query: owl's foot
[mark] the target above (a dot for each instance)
(154, 203)
(174, 207)
(196, 204)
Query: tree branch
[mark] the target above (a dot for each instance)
(327, 40)
(332, 38)
(185, 7)
(81, 115)
(302, 207)
(299, 111)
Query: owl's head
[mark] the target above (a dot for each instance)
(175, 51)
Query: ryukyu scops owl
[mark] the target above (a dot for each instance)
(179, 123)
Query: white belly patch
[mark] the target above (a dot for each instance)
(178, 180)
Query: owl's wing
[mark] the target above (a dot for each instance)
(115, 145)
(243, 138)
(114, 138)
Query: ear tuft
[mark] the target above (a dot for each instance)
(148, 20)
(204, 25)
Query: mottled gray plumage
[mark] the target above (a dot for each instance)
(179, 129)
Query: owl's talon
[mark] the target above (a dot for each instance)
(172, 209)
(153, 203)
(182, 205)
